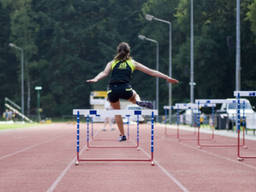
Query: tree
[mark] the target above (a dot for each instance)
(9, 66)
(22, 33)
(251, 15)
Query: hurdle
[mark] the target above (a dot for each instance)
(166, 108)
(215, 101)
(239, 94)
(194, 107)
(91, 112)
(178, 107)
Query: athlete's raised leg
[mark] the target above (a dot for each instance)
(135, 98)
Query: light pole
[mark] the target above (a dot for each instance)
(238, 48)
(142, 37)
(38, 89)
(192, 83)
(22, 75)
(150, 18)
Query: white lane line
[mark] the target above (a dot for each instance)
(27, 148)
(63, 173)
(221, 157)
(216, 132)
(168, 174)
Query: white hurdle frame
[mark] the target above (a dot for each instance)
(217, 101)
(239, 94)
(92, 112)
(191, 106)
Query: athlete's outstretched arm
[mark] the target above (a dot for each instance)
(153, 73)
(102, 74)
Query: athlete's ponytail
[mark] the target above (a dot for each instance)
(123, 52)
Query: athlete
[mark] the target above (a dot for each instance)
(122, 67)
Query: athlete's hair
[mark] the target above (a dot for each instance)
(123, 52)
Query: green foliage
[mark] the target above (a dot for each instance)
(251, 15)
(17, 125)
(68, 42)
(9, 66)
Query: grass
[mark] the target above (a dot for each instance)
(16, 125)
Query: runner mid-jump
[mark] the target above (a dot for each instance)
(122, 66)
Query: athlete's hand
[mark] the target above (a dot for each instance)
(173, 81)
(92, 80)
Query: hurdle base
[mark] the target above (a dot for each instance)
(202, 145)
(76, 163)
(119, 160)
(111, 147)
(240, 159)
(104, 139)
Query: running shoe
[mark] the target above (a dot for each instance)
(122, 138)
(146, 104)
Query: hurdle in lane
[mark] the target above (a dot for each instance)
(92, 112)
(111, 113)
(238, 95)
(216, 101)
(178, 107)
(195, 109)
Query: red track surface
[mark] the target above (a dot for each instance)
(42, 159)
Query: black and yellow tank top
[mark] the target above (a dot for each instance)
(121, 71)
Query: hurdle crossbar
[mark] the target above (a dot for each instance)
(112, 113)
(239, 94)
(192, 105)
(213, 101)
(89, 112)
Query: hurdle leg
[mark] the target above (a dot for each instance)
(152, 140)
(178, 124)
(128, 127)
(198, 129)
(92, 130)
(165, 121)
(87, 132)
(239, 158)
(138, 133)
(244, 146)
(238, 126)
(77, 140)
(212, 123)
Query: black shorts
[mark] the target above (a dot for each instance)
(119, 91)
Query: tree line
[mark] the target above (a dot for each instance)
(66, 42)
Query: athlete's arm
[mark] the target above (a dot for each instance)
(102, 74)
(153, 73)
